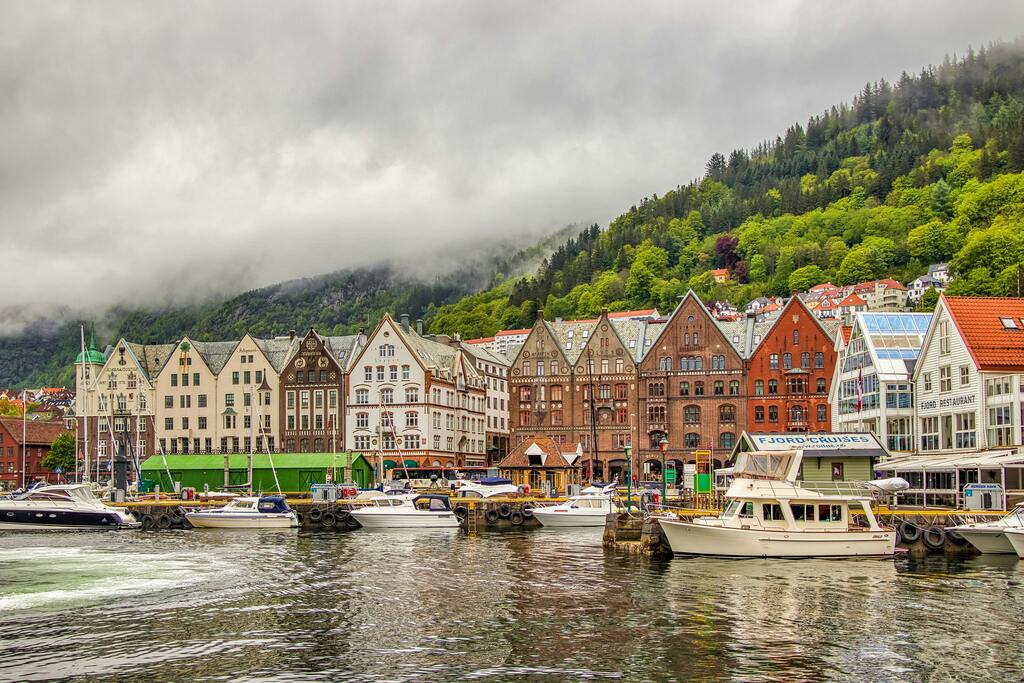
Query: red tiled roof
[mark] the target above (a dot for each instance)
(993, 346)
(505, 333)
(517, 457)
(891, 284)
(479, 340)
(37, 432)
(825, 286)
(846, 331)
(853, 300)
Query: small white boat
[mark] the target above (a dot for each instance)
(420, 511)
(485, 488)
(61, 506)
(587, 510)
(991, 537)
(1016, 539)
(267, 512)
(770, 515)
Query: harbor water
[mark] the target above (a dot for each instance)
(442, 606)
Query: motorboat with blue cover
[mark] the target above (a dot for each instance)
(265, 512)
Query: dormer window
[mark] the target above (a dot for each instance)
(1009, 324)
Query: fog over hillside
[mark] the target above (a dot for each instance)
(163, 153)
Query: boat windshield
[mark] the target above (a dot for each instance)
(730, 509)
(763, 465)
(590, 503)
(1016, 515)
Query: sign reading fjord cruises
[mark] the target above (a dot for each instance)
(817, 442)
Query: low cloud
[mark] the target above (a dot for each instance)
(155, 153)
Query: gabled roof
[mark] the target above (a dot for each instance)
(550, 453)
(485, 354)
(37, 432)
(506, 333)
(344, 349)
(845, 330)
(993, 346)
(570, 332)
(215, 354)
(150, 357)
(277, 350)
(853, 300)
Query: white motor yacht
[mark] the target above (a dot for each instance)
(586, 510)
(267, 512)
(769, 514)
(991, 537)
(62, 506)
(422, 511)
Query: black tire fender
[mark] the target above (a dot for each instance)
(491, 516)
(343, 516)
(461, 511)
(328, 519)
(504, 510)
(516, 518)
(315, 514)
(148, 522)
(164, 521)
(528, 510)
(934, 537)
(909, 532)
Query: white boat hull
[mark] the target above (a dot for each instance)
(1016, 541)
(374, 518)
(570, 518)
(687, 538)
(206, 520)
(988, 541)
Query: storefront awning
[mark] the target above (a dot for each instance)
(411, 463)
(950, 463)
(390, 464)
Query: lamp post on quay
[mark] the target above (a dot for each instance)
(663, 444)
(628, 450)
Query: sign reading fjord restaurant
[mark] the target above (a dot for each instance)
(817, 442)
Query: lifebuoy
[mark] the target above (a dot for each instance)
(491, 516)
(315, 514)
(328, 519)
(909, 532)
(934, 537)
(147, 522)
(526, 489)
(461, 511)
(164, 521)
(516, 518)
(504, 510)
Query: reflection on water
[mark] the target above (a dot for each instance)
(436, 605)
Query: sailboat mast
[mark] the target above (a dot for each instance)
(85, 407)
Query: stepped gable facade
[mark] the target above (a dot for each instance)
(311, 411)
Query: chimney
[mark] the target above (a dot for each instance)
(405, 321)
(419, 326)
(291, 335)
(540, 314)
(361, 338)
(456, 340)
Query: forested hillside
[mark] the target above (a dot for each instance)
(914, 172)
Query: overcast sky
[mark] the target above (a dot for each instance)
(165, 150)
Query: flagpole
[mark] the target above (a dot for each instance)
(85, 418)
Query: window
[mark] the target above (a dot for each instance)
(201, 400)
(174, 380)
(387, 395)
(556, 417)
(796, 337)
(665, 363)
(719, 388)
(773, 414)
(405, 372)
(691, 415)
(822, 412)
(380, 373)
(368, 373)
(622, 415)
(773, 361)
(332, 398)
(965, 376)
(524, 417)
(820, 387)
(259, 376)
(540, 368)
(622, 391)
(362, 442)
(727, 413)
(805, 360)
(734, 387)
(168, 423)
(727, 440)
(412, 419)
(656, 413)
(412, 441)
(691, 440)
(758, 413)
(202, 423)
(229, 400)
(168, 401)
(944, 337)
(412, 395)
(771, 512)
(999, 426)
(526, 368)
(362, 396)
(945, 379)
(819, 360)
(773, 386)
(556, 392)
(604, 391)
(759, 387)
(698, 388)
(526, 394)
(393, 373)
(787, 361)
(195, 379)
(684, 388)
(234, 377)
(927, 381)
(386, 350)
(965, 434)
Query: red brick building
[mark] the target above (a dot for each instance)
(691, 390)
(39, 436)
(789, 373)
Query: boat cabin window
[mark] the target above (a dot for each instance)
(771, 511)
(830, 513)
(469, 494)
(801, 512)
(432, 504)
(731, 509)
(748, 509)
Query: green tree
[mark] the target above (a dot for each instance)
(804, 278)
(928, 301)
(62, 453)
(856, 267)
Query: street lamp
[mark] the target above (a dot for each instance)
(663, 444)
(628, 450)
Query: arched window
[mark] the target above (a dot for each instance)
(773, 386)
(773, 413)
(821, 385)
(819, 360)
(289, 445)
(318, 445)
(822, 412)
(797, 414)
(727, 413)
(691, 440)
(362, 396)
(691, 415)
(727, 440)
(304, 445)
(656, 413)
(698, 388)
(700, 363)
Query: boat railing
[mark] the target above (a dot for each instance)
(844, 488)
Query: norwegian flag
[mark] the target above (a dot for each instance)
(860, 389)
